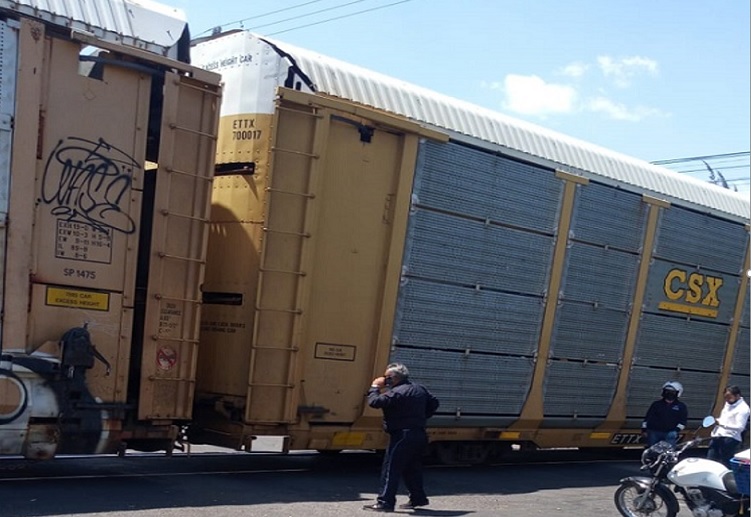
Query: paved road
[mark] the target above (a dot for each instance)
(299, 484)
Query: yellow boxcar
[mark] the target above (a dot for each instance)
(541, 287)
(107, 146)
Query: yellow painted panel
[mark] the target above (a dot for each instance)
(509, 435)
(688, 309)
(599, 436)
(348, 439)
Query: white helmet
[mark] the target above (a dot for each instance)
(674, 385)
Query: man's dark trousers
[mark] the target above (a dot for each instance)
(403, 458)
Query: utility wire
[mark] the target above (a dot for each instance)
(339, 17)
(699, 158)
(307, 14)
(263, 15)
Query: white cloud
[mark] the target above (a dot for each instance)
(620, 111)
(623, 70)
(575, 69)
(531, 95)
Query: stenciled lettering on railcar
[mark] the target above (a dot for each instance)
(89, 182)
(691, 293)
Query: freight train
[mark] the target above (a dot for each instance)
(542, 287)
(107, 142)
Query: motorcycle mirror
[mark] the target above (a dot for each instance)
(708, 421)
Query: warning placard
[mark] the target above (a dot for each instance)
(77, 299)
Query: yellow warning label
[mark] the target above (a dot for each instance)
(78, 299)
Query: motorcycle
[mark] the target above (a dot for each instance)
(708, 488)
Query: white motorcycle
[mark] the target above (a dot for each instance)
(708, 488)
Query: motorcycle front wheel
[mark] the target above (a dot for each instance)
(632, 500)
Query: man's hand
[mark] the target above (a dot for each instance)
(379, 382)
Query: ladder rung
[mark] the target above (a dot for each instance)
(280, 191)
(199, 88)
(281, 349)
(191, 130)
(272, 309)
(174, 339)
(186, 173)
(175, 299)
(171, 379)
(313, 114)
(299, 234)
(178, 257)
(269, 385)
(283, 271)
(292, 151)
(183, 216)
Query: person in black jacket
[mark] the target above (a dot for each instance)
(406, 407)
(666, 418)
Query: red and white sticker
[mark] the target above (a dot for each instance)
(166, 357)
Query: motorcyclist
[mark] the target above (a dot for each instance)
(666, 418)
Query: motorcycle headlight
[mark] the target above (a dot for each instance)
(653, 453)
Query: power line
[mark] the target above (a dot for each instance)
(307, 14)
(699, 158)
(263, 15)
(339, 17)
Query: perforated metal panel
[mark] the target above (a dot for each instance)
(486, 186)
(694, 344)
(468, 252)
(744, 383)
(444, 316)
(470, 383)
(600, 276)
(645, 386)
(741, 359)
(584, 332)
(620, 226)
(589, 396)
(701, 240)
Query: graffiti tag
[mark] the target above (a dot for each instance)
(89, 182)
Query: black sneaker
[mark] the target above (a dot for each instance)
(378, 507)
(409, 505)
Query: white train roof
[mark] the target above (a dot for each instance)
(336, 78)
(143, 24)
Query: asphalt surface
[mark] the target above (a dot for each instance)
(302, 484)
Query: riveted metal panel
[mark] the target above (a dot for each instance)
(681, 342)
(605, 277)
(589, 396)
(585, 332)
(645, 386)
(741, 360)
(453, 317)
(469, 252)
(470, 383)
(487, 186)
(701, 240)
(609, 217)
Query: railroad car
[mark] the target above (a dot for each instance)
(543, 288)
(107, 144)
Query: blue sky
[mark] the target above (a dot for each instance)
(657, 80)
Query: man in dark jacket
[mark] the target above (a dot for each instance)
(666, 418)
(406, 407)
